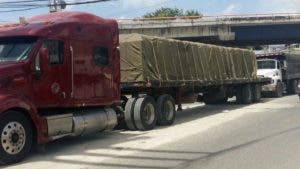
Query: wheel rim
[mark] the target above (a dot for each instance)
(148, 114)
(13, 138)
(168, 110)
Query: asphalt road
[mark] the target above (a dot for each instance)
(263, 136)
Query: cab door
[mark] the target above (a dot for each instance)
(49, 87)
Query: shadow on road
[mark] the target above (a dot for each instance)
(209, 110)
(133, 157)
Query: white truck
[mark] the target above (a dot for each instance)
(283, 68)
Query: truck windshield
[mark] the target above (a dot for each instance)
(266, 64)
(16, 48)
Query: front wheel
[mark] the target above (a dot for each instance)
(16, 137)
(256, 93)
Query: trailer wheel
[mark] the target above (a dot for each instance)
(256, 91)
(165, 110)
(129, 114)
(16, 137)
(244, 94)
(145, 115)
(279, 90)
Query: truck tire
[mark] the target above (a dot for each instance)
(256, 91)
(129, 114)
(145, 114)
(165, 110)
(16, 137)
(244, 94)
(279, 90)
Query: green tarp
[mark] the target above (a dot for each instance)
(146, 59)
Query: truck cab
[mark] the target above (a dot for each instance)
(284, 69)
(59, 76)
(274, 69)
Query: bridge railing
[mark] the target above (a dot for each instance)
(254, 17)
(199, 20)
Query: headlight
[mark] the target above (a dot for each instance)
(273, 81)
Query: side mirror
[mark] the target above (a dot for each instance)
(44, 59)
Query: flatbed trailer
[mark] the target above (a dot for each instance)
(164, 70)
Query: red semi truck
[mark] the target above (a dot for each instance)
(53, 85)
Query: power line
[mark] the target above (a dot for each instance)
(56, 6)
(23, 6)
(17, 3)
(86, 2)
(31, 6)
(17, 10)
(25, 1)
(89, 2)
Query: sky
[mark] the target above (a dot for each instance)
(120, 9)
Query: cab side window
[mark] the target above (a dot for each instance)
(56, 51)
(101, 56)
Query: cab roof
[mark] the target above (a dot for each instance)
(67, 17)
(41, 25)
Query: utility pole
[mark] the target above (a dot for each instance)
(56, 5)
(52, 6)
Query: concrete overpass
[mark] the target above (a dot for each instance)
(227, 29)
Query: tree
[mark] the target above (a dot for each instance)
(192, 13)
(171, 12)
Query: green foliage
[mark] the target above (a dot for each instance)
(171, 12)
(192, 13)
